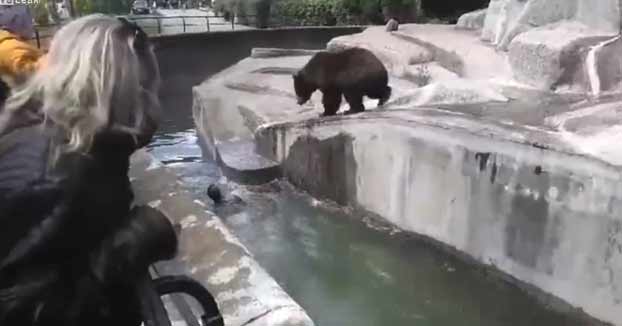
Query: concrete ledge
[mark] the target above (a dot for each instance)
(240, 164)
(278, 52)
(512, 198)
(245, 292)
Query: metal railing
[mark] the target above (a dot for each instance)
(44, 32)
(175, 24)
(207, 21)
(161, 25)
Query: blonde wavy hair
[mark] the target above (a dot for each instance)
(94, 78)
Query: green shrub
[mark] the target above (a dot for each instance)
(398, 3)
(308, 12)
(41, 14)
(83, 7)
(318, 12)
(251, 12)
(367, 11)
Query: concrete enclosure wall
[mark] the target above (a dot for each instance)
(546, 218)
(187, 60)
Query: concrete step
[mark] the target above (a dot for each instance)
(240, 162)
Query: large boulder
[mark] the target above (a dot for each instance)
(548, 56)
(602, 15)
(458, 51)
(391, 50)
(506, 19)
(449, 92)
(535, 13)
(472, 20)
(500, 15)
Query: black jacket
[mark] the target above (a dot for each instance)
(54, 219)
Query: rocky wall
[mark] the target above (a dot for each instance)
(544, 217)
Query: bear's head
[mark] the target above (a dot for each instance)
(303, 88)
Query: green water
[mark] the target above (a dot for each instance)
(345, 273)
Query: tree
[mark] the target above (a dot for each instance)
(52, 10)
(85, 7)
(81, 7)
(70, 8)
(41, 14)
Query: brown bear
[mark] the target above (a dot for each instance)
(353, 72)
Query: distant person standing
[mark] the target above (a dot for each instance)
(392, 25)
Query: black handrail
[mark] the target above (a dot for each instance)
(153, 310)
(183, 284)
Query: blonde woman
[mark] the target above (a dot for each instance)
(71, 248)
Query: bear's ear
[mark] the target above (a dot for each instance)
(296, 75)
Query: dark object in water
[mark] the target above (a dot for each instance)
(214, 193)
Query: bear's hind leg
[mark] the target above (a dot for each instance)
(355, 100)
(331, 100)
(382, 95)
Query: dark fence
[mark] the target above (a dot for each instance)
(161, 25)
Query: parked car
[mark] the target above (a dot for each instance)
(140, 7)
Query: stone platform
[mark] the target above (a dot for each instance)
(519, 177)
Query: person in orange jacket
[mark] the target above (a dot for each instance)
(18, 58)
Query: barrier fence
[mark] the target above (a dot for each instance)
(161, 25)
(207, 21)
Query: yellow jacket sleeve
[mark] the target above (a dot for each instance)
(17, 58)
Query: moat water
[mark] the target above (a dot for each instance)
(342, 269)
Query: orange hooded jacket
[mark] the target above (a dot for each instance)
(18, 59)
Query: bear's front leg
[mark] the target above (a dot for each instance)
(331, 100)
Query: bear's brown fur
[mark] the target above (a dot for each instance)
(353, 72)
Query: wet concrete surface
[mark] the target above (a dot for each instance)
(349, 270)
(240, 163)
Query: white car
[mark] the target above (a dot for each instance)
(140, 7)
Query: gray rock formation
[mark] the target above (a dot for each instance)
(548, 40)
(390, 49)
(547, 56)
(520, 178)
(507, 19)
(472, 20)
